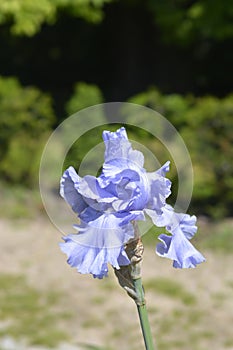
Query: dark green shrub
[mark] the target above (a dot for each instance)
(26, 116)
(206, 126)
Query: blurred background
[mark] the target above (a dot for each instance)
(60, 56)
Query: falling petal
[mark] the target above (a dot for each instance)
(178, 248)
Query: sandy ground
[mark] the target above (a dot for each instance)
(103, 314)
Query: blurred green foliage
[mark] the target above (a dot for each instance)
(179, 20)
(27, 16)
(26, 115)
(84, 95)
(186, 21)
(205, 124)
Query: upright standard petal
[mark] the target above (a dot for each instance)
(160, 190)
(117, 146)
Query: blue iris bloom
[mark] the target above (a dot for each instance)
(107, 205)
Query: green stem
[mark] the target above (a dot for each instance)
(142, 311)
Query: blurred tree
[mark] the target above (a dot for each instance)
(171, 44)
(208, 132)
(183, 20)
(84, 95)
(134, 44)
(206, 126)
(26, 115)
(27, 16)
(186, 21)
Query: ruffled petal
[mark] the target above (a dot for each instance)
(98, 243)
(118, 146)
(187, 224)
(85, 259)
(95, 196)
(167, 216)
(114, 170)
(164, 169)
(172, 220)
(129, 184)
(106, 229)
(162, 218)
(88, 187)
(178, 248)
(136, 157)
(107, 205)
(89, 214)
(160, 189)
(68, 190)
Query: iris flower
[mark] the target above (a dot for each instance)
(107, 205)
